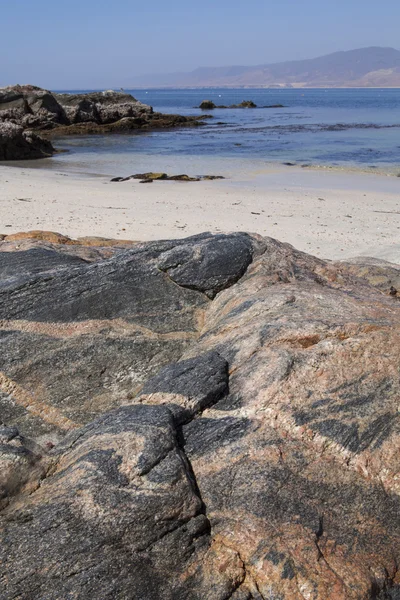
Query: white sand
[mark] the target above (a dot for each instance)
(327, 213)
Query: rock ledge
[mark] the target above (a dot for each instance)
(213, 417)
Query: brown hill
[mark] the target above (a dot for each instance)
(365, 67)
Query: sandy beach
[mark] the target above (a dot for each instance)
(330, 214)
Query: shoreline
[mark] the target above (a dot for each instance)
(260, 87)
(333, 215)
(51, 164)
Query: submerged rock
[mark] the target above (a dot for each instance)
(210, 105)
(207, 105)
(127, 124)
(245, 104)
(224, 411)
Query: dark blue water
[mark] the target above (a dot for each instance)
(358, 128)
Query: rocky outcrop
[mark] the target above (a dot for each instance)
(153, 122)
(17, 144)
(210, 105)
(215, 417)
(102, 107)
(245, 104)
(144, 293)
(207, 105)
(73, 114)
(31, 107)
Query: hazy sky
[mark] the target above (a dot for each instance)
(96, 44)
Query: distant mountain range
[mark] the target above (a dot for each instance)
(365, 67)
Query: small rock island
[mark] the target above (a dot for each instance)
(210, 105)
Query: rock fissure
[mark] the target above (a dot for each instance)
(190, 472)
(170, 532)
(189, 287)
(260, 452)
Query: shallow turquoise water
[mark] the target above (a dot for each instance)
(336, 128)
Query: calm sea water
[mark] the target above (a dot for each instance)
(358, 128)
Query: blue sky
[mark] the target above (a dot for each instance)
(97, 44)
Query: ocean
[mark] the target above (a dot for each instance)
(336, 128)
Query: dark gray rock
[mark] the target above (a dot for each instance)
(122, 519)
(7, 434)
(99, 330)
(30, 107)
(210, 266)
(21, 465)
(102, 107)
(17, 144)
(207, 105)
(35, 260)
(189, 386)
(79, 108)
